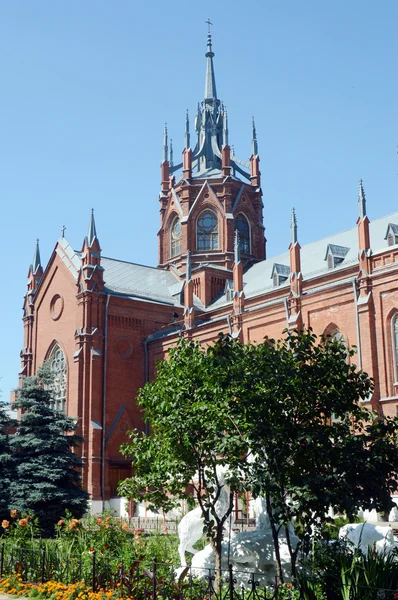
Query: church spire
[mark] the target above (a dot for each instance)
(361, 201)
(165, 145)
(92, 232)
(171, 153)
(225, 128)
(210, 83)
(293, 226)
(254, 139)
(36, 264)
(187, 136)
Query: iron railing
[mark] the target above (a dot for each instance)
(151, 580)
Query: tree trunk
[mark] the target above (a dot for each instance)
(293, 553)
(217, 549)
(274, 538)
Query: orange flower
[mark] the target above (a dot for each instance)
(125, 527)
(5, 524)
(99, 521)
(288, 585)
(23, 522)
(13, 513)
(60, 522)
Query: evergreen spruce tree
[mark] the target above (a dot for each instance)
(6, 461)
(47, 471)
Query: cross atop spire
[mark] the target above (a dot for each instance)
(92, 232)
(210, 83)
(293, 226)
(36, 263)
(361, 201)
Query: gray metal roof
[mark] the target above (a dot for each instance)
(258, 279)
(139, 281)
(158, 285)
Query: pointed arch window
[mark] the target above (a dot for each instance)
(176, 237)
(394, 324)
(242, 226)
(57, 364)
(207, 231)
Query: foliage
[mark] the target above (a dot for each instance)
(53, 590)
(113, 540)
(193, 432)
(47, 479)
(69, 557)
(345, 573)
(6, 461)
(315, 445)
(20, 528)
(295, 403)
(329, 529)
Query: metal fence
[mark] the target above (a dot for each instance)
(160, 524)
(150, 580)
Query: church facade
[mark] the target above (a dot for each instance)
(103, 323)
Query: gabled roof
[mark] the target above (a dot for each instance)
(393, 228)
(283, 270)
(141, 282)
(337, 251)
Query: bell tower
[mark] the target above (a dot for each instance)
(208, 196)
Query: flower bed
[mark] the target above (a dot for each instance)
(56, 591)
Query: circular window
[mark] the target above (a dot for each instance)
(124, 347)
(208, 222)
(56, 307)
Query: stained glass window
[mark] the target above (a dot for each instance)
(176, 238)
(243, 228)
(395, 345)
(57, 364)
(207, 231)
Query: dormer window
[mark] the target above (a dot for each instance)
(229, 290)
(335, 255)
(392, 234)
(280, 274)
(176, 238)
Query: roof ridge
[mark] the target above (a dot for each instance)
(128, 262)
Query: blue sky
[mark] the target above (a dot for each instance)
(87, 86)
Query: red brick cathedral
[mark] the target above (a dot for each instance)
(102, 323)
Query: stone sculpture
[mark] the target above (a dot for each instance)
(368, 535)
(248, 552)
(190, 528)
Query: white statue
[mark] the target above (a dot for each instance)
(367, 535)
(190, 528)
(250, 552)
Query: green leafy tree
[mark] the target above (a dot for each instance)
(315, 445)
(192, 432)
(47, 479)
(296, 404)
(6, 461)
